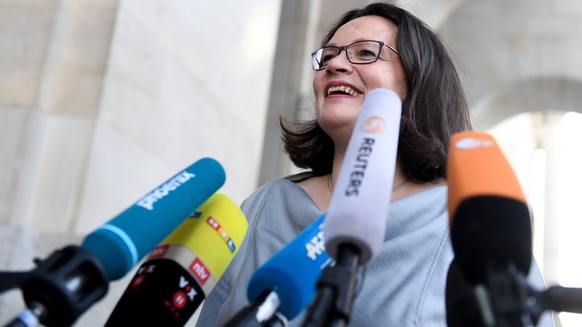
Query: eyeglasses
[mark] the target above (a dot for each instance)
(359, 52)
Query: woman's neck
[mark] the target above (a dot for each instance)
(399, 178)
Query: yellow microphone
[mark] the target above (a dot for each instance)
(178, 274)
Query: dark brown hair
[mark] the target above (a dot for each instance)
(435, 107)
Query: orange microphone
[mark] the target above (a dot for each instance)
(489, 217)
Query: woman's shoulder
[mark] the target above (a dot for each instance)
(281, 198)
(284, 185)
(273, 189)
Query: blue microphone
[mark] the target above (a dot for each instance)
(286, 283)
(123, 241)
(64, 285)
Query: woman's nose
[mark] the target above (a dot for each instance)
(339, 63)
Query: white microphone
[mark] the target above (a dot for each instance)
(355, 225)
(359, 205)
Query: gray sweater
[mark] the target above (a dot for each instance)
(403, 286)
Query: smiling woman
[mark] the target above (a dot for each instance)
(378, 46)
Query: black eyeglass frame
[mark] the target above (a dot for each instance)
(345, 47)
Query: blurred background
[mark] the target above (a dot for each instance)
(102, 100)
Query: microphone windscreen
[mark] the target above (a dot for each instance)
(213, 234)
(359, 205)
(123, 241)
(489, 218)
(180, 272)
(293, 271)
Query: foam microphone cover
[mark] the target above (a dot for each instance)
(123, 241)
(180, 272)
(359, 205)
(489, 218)
(293, 271)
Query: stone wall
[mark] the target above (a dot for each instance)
(103, 100)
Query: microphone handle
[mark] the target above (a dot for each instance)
(461, 301)
(559, 298)
(26, 318)
(62, 287)
(336, 290)
(277, 320)
(261, 312)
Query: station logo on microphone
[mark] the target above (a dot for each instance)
(199, 269)
(374, 124)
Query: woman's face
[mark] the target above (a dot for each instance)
(336, 113)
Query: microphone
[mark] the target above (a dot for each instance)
(491, 237)
(65, 284)
(355, 226)
(359, 204)
(489, 218)
(178, 274)
(123, 241)
(286, 282)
